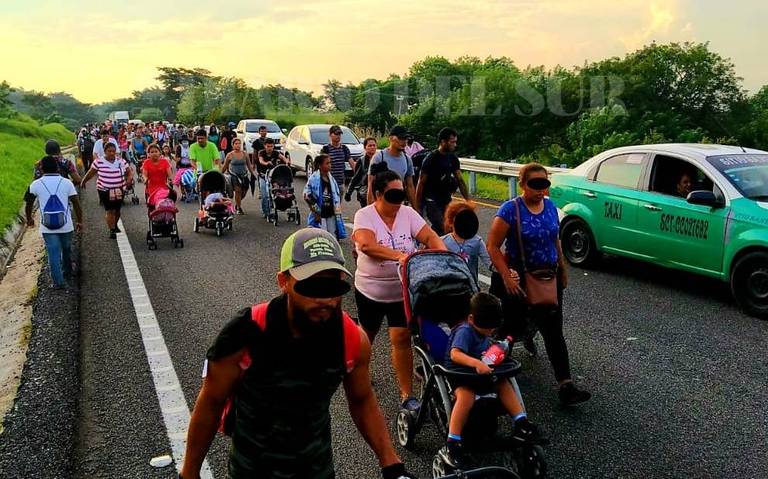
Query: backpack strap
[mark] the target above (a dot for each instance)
(351, 342)
(259, 315)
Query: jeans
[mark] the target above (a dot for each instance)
(521, 321)
(329, 225)
(435, 212)
(59, 249)
(264, 195)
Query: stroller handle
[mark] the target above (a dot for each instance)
(482, 472)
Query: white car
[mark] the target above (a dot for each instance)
(248, 131)
(305, 142)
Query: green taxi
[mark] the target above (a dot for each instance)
(698, 208)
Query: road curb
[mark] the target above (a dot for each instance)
(40, 429)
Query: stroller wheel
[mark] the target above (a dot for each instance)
(440, 468)
(180, 242)
(531, 463)
(405, 425)
(152, 245)
(196, 227)
(135, 200)
(219, 230)
(298, 218)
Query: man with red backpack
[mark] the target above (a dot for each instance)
(273, 369)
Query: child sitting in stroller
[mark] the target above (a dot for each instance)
(467, 344)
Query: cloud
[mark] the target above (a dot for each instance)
(99, 54)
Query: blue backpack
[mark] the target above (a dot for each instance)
(54, 214)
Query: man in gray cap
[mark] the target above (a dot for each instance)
(302, 347)
(396, 160)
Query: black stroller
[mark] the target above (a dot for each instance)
(281, 194)
(219, 215)
(437, 287)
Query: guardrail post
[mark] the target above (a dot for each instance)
(472, 182)
(512, 187)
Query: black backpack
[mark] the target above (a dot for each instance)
(418, 159)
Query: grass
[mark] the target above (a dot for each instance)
(21, 144)
(490, 186)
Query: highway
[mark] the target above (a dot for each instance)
(677, 372)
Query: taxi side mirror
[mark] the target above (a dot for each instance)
(704, 198)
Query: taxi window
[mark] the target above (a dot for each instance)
(675, 177)
(621, 170)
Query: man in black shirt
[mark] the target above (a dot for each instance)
(440, 176)
(280, 364)
(258, 145)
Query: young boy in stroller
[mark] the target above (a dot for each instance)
(216, 211)
(438, 291)
(467, 344)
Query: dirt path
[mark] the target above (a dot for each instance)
(17, 290)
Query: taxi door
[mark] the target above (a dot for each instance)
(685, 236)
(614, 202)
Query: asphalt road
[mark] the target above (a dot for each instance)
(677, 372)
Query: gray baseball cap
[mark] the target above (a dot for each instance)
(310, 251)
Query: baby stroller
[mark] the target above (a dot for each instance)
(219, 215)
(161, 209)
(188, 182)
(130, 188)
(437, 287)
(281, 194)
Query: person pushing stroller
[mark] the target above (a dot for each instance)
(467, 344)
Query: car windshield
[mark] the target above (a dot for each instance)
(320, 136)
(748, 173)
(253, 127)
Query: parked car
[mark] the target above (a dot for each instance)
(304, 142)
(698, 208)
(248, 131)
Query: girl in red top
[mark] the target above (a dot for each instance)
(157, 171)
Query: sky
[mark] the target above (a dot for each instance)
(98, 53)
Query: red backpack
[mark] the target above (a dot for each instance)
(259, 316)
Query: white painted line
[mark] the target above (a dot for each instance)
(169, 393)
(486, 280)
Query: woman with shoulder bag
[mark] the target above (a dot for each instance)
(530, 274)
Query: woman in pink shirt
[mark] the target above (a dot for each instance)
(385, 233)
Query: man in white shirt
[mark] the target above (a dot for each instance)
(57, 232)
(98, 147)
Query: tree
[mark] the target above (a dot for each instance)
(176, 81)
(150, 114)
(40, 106)
(6, 105)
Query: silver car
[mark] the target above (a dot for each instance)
(304, 142)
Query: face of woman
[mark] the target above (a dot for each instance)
(237, 145)
(154, 154)
(167, 150)
(325, 166)
(370, 148)
(532, 188)
(393, 195)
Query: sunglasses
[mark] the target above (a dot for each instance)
(538, 183)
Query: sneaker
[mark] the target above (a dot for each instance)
(530, 345)
(571, 395)
(240, 211)
(112, 235)
(411, 404)
(528, 433)
(453, 454)
(116, 230)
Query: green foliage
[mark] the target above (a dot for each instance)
(149, 114)
(22, 141)
(219, 100)
(6, 105)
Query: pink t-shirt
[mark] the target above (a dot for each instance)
(376, 279)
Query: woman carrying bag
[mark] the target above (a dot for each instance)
(530, 274)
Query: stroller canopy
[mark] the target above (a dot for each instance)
(213, 182)
(438, 285)
(281, 174)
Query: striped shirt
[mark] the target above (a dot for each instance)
(339, 158)
(109, 175)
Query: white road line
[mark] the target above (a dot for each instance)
(169, 393)
(486, 280)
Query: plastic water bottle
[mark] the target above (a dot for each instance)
(497, 353)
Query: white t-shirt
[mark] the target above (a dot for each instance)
(98, 147)
(376, 279)
(59, 186)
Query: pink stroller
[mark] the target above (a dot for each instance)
(161, 209)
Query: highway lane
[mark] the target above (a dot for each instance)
(677, 372)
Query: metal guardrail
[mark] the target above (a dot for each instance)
(498, 168)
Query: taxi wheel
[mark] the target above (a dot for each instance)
(749, 283)
(579, 243)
